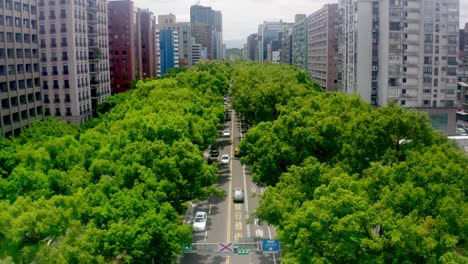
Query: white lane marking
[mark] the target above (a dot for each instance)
(206, 234)
(245, 191)
(209, 211)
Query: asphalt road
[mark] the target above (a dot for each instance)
(227, 221)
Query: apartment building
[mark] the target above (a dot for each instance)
(20, 85)
(185, 37)
(73, 42)
(196, 52)
(405, 52)
(322, 45)
(124, 44)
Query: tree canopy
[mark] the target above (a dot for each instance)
(347, 182)
(114, 187)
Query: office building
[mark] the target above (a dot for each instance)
(322, 45)
(268, 32)
(196, 52)
(73, 41)
(185, 36)
(252, 47)
(168, 50)
(299, 41)
(20, 85)
(207, 30)
(286, 46)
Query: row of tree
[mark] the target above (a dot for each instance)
(350, 183)
(113, 188)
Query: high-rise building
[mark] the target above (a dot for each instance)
(268, 32)
(185, 37)
(299, 41)
(286, 54)
(168, 50)
(207, 30)
(196, 52)
(462, 116)
(132, 44)
(148, 44)
(20, 85)
(218, 25)
(322, 46)
(252, 47)
(124, 44)
(401, 51)
(74, 57)
(404, 52)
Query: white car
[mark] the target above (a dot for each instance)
(199, 223)
(224, 159)
(226, 133)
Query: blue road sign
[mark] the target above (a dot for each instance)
(270, 246)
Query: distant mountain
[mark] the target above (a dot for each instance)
(234, 43)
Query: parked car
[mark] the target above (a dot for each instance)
(238, 195)
(224, 159)
(226, 133)
(199, 223)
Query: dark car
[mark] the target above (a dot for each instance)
(213, 153)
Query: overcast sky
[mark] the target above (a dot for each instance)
(242, 17)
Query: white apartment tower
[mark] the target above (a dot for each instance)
(73, 39)
(399, 50)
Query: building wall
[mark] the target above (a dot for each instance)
(20, 85)
(74, 62)
(206, 28)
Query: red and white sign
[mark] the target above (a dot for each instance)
(225, 248)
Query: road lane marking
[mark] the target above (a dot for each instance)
(238, 236)
(238, 216)
(231, 137)
(209, 211)
(238, 225)
(206, 235)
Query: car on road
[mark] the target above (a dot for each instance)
(199, 222)
(226, 133)
(224, 159)
(238, 195)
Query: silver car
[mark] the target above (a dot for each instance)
(199, 223)
(238, 195)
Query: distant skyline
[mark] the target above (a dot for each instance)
(242, 17)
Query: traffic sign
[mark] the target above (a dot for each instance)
(225, 248)
(270, 246)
